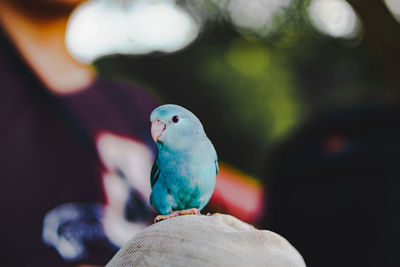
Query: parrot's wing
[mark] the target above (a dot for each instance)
(216, 166)
(155, 173)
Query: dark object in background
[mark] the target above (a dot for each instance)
(335, 189)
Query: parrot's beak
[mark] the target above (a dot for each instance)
(157, 127)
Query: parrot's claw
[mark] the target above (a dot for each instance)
(193, 211)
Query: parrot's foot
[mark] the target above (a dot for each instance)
(177, 213)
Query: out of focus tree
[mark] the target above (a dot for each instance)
(254, 87)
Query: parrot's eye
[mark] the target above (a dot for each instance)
(175, 119)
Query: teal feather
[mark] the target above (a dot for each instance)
(184, 171)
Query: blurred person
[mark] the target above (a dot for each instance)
(70, 142)
(76, 149)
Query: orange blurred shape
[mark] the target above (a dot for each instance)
(238, 194)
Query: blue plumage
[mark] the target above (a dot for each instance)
(184, 171)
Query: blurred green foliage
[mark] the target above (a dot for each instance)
(250, 92)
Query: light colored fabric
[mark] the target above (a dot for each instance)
(219, 240)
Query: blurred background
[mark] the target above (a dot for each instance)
(299, 97)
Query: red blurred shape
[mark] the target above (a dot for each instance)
(237, 194)
(335, 144)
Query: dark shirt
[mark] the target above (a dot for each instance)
(48, 154)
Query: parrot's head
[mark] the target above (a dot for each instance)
(174, 126)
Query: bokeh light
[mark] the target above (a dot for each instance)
(335, 18)
(99, 28)
(394, 8)
(255, 15)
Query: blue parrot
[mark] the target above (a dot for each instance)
(184, 171)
